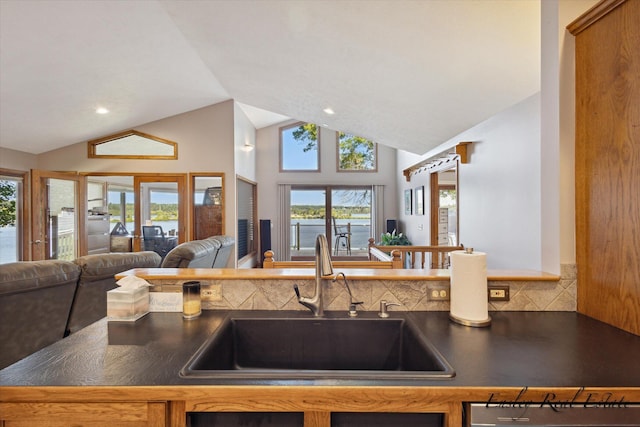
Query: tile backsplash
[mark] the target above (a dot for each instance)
(269, 294)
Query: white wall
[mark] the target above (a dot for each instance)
(244, 133)
(552, 217)
(269, 175)
(17, 160)
(204, 136)
(499, 194)
(245, 166)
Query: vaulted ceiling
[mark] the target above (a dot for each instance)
(410, 74)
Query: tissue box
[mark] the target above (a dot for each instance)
(127, 305)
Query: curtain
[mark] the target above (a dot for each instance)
(377, 216)
(282, 243)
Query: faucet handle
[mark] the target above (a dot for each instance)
(383, 308)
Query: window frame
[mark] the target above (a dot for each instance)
(281, 152)
(253, 243)
(434, 202)
(93, 145)
(338, 155)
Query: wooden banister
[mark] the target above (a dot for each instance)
(439, 254)
(391, 262)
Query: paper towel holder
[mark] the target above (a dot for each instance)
(472, 323)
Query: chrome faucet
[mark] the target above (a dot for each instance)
(352, 304)
(323, 268)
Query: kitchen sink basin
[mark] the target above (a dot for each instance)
(317, 348)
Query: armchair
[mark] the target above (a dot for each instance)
(155, 240)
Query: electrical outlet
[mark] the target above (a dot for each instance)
(211, 292)
(438, 294)
(498, 293)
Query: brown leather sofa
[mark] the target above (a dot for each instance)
(43, 301)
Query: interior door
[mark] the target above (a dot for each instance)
(160, 201)
(57, 205)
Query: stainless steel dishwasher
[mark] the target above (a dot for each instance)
(483, 415)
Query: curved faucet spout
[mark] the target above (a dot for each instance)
(324, 267)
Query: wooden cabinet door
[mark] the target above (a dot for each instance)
(98, 414)
(608, 163)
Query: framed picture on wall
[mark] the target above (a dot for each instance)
(419, 200)
(408, 202)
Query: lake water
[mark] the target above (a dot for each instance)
(310, 228)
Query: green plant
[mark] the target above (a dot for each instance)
(8, 192)
(393, 239)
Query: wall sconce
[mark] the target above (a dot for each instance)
(247, 147)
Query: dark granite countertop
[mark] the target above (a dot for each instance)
(519, 349)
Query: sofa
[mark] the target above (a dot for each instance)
(35, 300)
(206, 253)
(97, 274)
(226, 247)
(43, 301)
(192, 254)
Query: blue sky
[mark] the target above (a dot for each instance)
(294, 157)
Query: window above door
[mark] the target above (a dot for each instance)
(132, 144)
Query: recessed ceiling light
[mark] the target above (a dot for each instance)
(102, 110)
(329, 111)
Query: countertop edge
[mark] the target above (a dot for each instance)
(308, 273)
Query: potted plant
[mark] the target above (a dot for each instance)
(393, 239)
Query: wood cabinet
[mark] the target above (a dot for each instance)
(95, 414)
(608, 162)
(208, 221)
(317, 403)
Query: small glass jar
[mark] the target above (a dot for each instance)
(191, 302)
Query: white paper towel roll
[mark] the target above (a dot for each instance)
(469, 301)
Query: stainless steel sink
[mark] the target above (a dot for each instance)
(317, 348)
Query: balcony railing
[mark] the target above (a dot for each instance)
(303, 236)
(65, 245)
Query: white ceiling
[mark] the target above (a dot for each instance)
(408, 74)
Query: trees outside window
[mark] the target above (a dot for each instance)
(8, 192)
(10, 219)
(356, 153)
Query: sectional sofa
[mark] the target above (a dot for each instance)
(41, 302)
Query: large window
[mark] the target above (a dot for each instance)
(348, 226)
(356, 153)
(299, 148)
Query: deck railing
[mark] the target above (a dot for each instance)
(303, 236)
